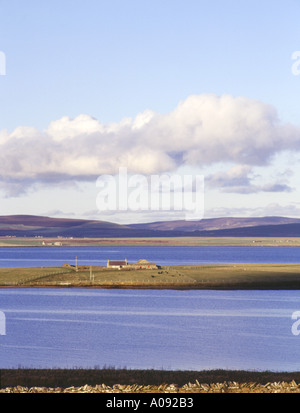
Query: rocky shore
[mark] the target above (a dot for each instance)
(112, 380)
(225, 387)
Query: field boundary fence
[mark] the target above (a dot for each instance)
(33, 279)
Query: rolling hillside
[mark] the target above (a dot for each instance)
(214, 224)
(32, 226)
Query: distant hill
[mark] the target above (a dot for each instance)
(32, 226)
(214, 224)
(229, 227)
(280, 230)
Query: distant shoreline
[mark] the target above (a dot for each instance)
(150, 241)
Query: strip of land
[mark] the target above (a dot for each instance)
(224, 277)
(146, 381)
(150, 241)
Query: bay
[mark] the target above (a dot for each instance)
(179, 330)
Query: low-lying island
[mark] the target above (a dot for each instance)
(237, 276)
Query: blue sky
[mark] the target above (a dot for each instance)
(79, 74)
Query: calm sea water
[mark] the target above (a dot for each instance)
(195, 330)
(150, 329)
(52, 256)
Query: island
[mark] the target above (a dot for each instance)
(146, 275)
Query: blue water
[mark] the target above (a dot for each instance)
(57, 256)
(194, 330)
(66, 328)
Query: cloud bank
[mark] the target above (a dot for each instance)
(238, 179)
(201, 130)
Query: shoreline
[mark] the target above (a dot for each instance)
(156, 287)
(188, 240)
(112, 380)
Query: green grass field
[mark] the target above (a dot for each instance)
(240, 276)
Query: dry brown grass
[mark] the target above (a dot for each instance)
(242, 276)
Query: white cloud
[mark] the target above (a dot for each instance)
(201, 130)
(239, 179)
(271, 209)
(237, 175)
(67, 128)
(208, 128)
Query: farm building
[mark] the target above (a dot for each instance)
(116, 264)
(141, 264)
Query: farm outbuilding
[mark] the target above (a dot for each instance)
(140, 264)
(143, 264)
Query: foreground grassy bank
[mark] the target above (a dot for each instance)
(64, 378)
(240, 276)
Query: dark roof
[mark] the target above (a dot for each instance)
(117, 262)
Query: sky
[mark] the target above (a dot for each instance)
(159, 87)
